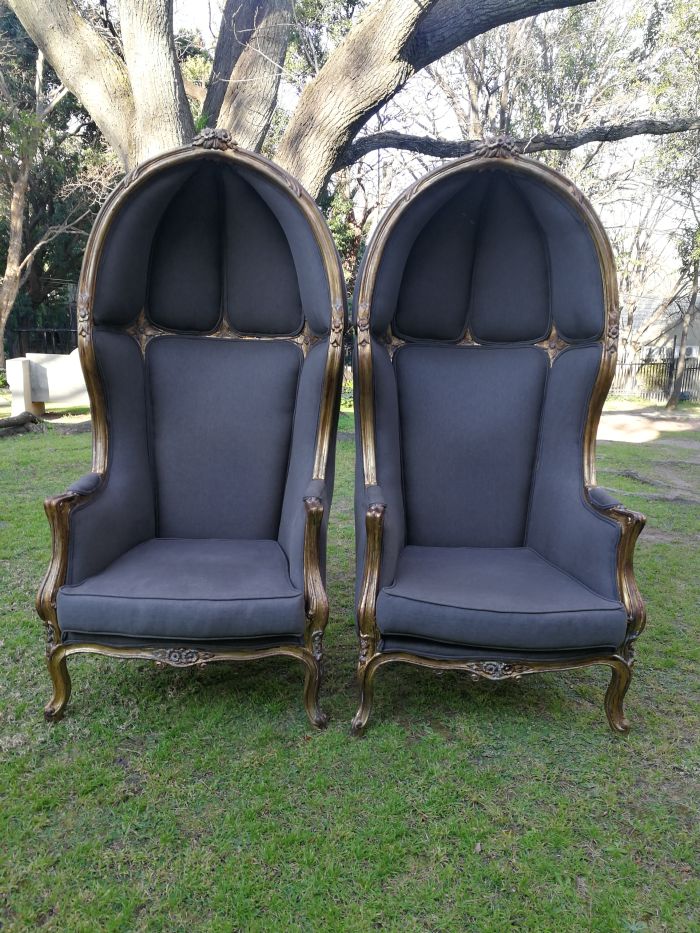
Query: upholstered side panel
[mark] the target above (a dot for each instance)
(388, 451)
(562, 526)
(469, 426)
(417, 214)
(262, 289)
(311, 274)
(435, 286)
(301, 463)
(221, 425)
(576, 287)
(121, 514)
(120, 289)
(184, 290)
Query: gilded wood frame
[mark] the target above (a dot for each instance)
(500, 667)
(210, 144)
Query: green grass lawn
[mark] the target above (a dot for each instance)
(186, 800)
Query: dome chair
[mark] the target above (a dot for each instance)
(211, 313)
(486, 337)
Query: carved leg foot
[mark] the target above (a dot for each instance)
(312, 685)
(54, 709)
(615, 695)
(365, 676)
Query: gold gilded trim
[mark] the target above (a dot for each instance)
(497, 670)
(179, 657)
(553, 345)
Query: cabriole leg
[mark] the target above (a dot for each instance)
(365, 676)
(312, 686)
(615, 695)
(58, 670)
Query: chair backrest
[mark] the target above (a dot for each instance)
(211, 317)
(486, 312)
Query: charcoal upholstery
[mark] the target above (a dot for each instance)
(195, 533)
(489, 541)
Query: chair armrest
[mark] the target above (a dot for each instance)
(374, 495)
(316, 490)
(58, 510)
(86, 484)
(602, 498)
(631, 524)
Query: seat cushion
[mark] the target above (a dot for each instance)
(505, 598)
(188, 590)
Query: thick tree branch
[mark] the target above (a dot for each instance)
(451, 149)
(85, 63)
(251, 93)
(393, 40)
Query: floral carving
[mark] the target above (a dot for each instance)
(553, 345)
(83, 313)
(211, 138)
(181, 657)
(363, 338)
(317, 645)
(498, 670)
(500, 148)
(613, 335)
(337, 321)
(365, 649)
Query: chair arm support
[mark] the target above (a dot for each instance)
(631, 524)
(366, 612)
(316, 490)
(315, 597)
(58, 510)
(374, 495)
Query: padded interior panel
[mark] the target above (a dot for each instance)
(184, 290)
(510, 282)
(576, 287)
(469, 421)
(434, 295)
(221, 425)
(262, 290)
(122, 513)
(311, 273)
(562, 526)
(120, 288)
(493, 247)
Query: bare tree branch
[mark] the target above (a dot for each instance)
(393, 40)
(452, 149)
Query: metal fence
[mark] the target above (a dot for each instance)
(654, 380)
(23, 340)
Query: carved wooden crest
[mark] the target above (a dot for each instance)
(502, 147)
(211, 138)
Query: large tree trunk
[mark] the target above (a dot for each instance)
(12, 278)
(685, 327)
